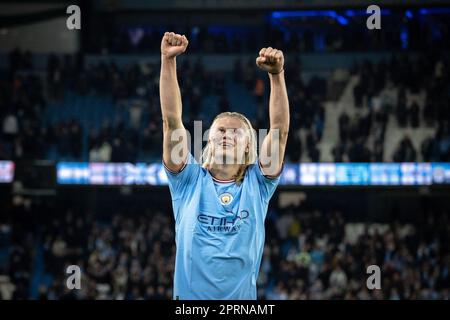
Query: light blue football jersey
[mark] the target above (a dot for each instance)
(219, 232)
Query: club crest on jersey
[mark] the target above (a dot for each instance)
(225, 198)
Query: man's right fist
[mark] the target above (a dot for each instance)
(173, 44)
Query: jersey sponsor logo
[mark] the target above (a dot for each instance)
(225, 198)
(223, 224)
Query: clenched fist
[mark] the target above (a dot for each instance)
(270, 60)
(173, 44)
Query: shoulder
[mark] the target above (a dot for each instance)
(256, 169)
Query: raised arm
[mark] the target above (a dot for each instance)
(175, 145)
(274, 144)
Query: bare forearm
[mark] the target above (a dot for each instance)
(175, 138)
(171, 108)
(169, 91)
(278, 104)
(272, 152)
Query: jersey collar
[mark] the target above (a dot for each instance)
(220, 180)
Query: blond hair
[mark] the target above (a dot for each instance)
(250, 156)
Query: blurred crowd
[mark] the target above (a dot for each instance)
(381, 97)
(27, 133)
(128, 258)
(308, 254)
(411, 92)
(21, 104)
(320, 255)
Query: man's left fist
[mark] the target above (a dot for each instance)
(270, 60)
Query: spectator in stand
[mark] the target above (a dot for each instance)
(383, 87)
(414, 112)
(311, 255)
(405, 151)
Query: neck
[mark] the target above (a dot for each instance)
(224, 171)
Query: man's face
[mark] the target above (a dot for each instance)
(229, 141)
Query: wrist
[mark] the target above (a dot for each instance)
(276, 73)
(167, 58)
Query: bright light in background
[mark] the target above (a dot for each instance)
(312, 174)
(310, 13)
(342, 20)
(404, 38)
(350, 13)
(434, 10)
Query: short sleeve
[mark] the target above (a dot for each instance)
(267, 184)
(183, 182)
